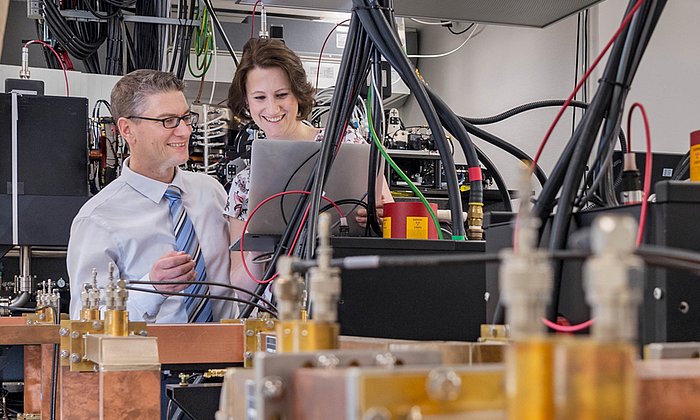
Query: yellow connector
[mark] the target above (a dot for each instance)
(475, 221)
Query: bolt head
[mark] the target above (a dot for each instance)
(249, 355)
(272, 387)
(269, 324)
(75, 334)
(64, 354)
(63, 332)
(249, 333)
(143, 333)
(328, 360)
(75, 358)
(487, 296)
(443, 385)
(96, 325)
(658, 293)
(377, 413)
(42, 317)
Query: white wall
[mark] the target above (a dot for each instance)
(505, 66)
(668, 80)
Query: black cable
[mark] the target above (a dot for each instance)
(373, 167)
(578, 54)
(220, 28)
(522, 108)
(202, 296)
(289, 181)
(344, 201)
(379, 30)
(606, 110)
(209, 283)
(681, 170)
(354, 68)
(506, 146)
(497, 178)
(449, 27)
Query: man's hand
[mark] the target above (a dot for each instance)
(173, 266)
(361, 215)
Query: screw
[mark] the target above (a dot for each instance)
(75, 334)
(328, 360)
(272, 387)
(42, 317)
(386, 360)
(95, 368)
(64, 354)
(487, 296)
(75, 358)
(269, 324)
(249, 333)
(63, 332)
(443, 385)
(658, 293)
(249, 355)
(684, 307)
(143, 333)
(30, 322)
(96, 325)
(377, 413)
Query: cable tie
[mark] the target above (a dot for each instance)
(474, 173)
(614, 83)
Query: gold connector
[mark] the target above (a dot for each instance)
(215, 373)
(297, 336)
(116, 323)
(530, 379)
(475, 221)
(88, 314)
(598, 380)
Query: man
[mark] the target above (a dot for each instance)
(138, 223)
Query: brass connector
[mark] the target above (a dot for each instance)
(117, 323)
(89, 314)
(475, 221)
(215, 373)
(297, 336)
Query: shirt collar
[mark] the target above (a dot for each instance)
(149, 187)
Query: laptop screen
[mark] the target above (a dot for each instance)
(285, 165)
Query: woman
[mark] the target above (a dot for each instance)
(271, 88)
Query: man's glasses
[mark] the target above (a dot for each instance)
(171, 122)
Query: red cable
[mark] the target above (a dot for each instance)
(567, 328)
(585, 77)
(252, 18)
(250, 216)
(647, 169)
(63, 65)
(320, 54)
(624, 24)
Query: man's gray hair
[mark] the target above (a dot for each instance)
(131, 92)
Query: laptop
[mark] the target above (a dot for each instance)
(285, 165)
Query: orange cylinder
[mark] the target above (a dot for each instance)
(695, 156)
(409, 221)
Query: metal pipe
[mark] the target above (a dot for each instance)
(20, 300)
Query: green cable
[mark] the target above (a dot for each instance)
(398, 170)
(199, 48)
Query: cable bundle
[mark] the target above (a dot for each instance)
(604, 113)
(80, 39)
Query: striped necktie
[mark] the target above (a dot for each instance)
(198, 309)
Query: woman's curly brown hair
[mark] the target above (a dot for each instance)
(267, 53)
